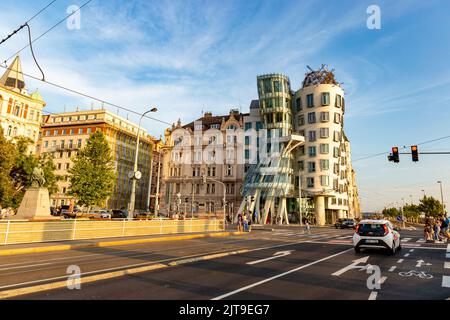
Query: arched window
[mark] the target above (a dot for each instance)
(14, 133)
(9, 131)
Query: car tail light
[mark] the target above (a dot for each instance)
(386, 230)
(357, 228)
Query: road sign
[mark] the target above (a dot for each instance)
(399, 218)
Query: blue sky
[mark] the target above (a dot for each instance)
(189, 56)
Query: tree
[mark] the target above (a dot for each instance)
(48, 166)
(8, 154)
(431, 206)
(93, 173)
(391, 212)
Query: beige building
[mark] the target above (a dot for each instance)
(20, 112)
(204, 153)
(63, 134)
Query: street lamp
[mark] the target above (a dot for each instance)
(135, 174)
(442, 198)
(423, 193)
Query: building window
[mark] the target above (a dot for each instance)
(258, 125)
(337, 136)
(298, 104)
(336, 152)
(301, 120)
(338, 101)
(59, 166)
(72, 131)
(324, 116)
(89, 130)
(277, 86)
(215, 126)
(310, 100)
(324, 148)
(324, 164)
(325, 98)
(229, 170)
(312, 136)
(63, 132)
(79, 143)
(324, 181)
(80, 131)
(267, 86)
(301, 150)
(312, 151)
(67, 166)
(70, 144)
(247, 154)
(312, 117)
(55, 132)
(247, 140)
(248, 126)
(337, 118)
(324, 133)
(312, 166)
(62, 143)
(47, 133)
(46, 144)
(301, 165)
(310, 182)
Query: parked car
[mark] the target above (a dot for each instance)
(105, 214)
(119, 214)
(379, 234)
(345, 224)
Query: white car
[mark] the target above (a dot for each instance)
(105, 214)
(376, 234)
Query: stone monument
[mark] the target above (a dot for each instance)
(35, 204)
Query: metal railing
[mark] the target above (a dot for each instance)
(16, 232)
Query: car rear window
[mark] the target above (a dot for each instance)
(371, 230)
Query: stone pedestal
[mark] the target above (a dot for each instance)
(320, 210)
(35, 205)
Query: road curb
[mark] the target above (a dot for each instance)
(9, 252)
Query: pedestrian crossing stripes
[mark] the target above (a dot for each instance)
(421, 241)
(406, 239)
(446, 281)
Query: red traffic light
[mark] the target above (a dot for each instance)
(414, 153)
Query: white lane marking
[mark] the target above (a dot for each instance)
(446, 281)
(276, 255)
(421, 241)
(448, 248)
(373, 295)
(406, 255)
(392, 268)
(26, 266)
(400, 260)
(329, 242)
(278, 276)
(406, 239)
(382, 280)
(412, 250)
(353, 265)
(420, 247)
(447, 265)
(447, 255)
(421, 262)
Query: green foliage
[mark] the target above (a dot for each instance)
(431, 207)
(411, 211)
(93, 173)
(16, 168)
(8, 154)
(391, 212)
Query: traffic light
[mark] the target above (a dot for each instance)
(415, 153)
(394, 155)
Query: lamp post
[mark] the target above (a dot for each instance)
(442, 198)
(157, 184)
(135, 174)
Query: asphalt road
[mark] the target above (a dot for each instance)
(282, 264)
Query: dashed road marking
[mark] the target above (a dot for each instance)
(421, 241)
(382, 280)
(373, 295)
(400, 260)
(447, 265)
(406, 239)
(406, 255)
(412, 250)
(392, 268)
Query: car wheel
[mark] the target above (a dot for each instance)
(357, 249)
(393, 250)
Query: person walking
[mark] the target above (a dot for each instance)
(437, 230)
(249, 221)
(240, 221)
(307, 227)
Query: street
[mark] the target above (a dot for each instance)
(280, 264)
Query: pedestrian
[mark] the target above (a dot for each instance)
(427, 232)
(240, 221)
(437, 230)
(249, 221)
(307, 227)
(245, 223)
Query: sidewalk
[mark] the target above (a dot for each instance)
(25, 248)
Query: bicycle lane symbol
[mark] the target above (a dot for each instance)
(419, 274)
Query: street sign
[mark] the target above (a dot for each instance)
(399, 218)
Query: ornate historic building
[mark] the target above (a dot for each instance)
(20, 112)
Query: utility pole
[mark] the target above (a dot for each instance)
(157, 184)
(300, 202)
(442, 198)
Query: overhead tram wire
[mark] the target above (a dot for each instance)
(29, 20)
(48, 30)
(89, 96)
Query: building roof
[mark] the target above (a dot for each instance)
(208, 119)
(13, 76)
(254, 104)
(320, 76)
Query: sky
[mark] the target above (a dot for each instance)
(186, 57)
